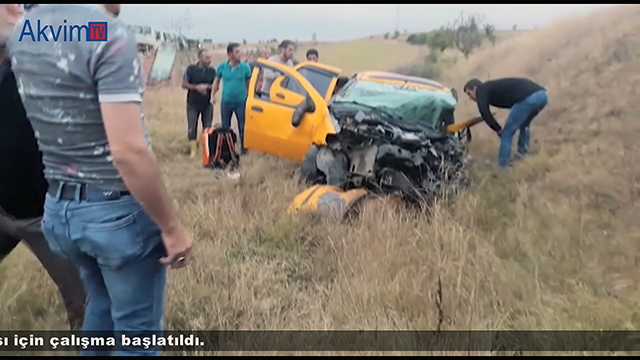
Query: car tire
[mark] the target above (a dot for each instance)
(309, 172)
(333, 165)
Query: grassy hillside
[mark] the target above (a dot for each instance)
(552, 244)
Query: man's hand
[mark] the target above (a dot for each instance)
(178, 245)
(202, 88)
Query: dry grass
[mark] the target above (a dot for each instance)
(552, 244)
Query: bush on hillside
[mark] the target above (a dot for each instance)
(428, 68)
(464, 34)
(417, 39)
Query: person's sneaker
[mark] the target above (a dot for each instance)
(519, 156)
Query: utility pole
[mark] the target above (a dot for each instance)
(398, 18)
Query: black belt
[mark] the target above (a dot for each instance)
(89, 192)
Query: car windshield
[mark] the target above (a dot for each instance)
(413, 105)
(136, 29)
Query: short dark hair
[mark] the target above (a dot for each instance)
(200, 52)
(285, 44)
(472, 84)
(232, 46)
(312, 52)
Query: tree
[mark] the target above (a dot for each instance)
(515, 27)
(244, 41)
(467, 36)
(417, 39)
(440, 40)
(386, 36)
(396, 34)
(490, 33)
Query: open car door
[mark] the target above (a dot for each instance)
(283, 121)
(323, 77)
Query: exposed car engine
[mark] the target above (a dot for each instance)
(390, 157)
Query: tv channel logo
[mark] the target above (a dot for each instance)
(93, 31)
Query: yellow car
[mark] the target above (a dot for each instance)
(376, 132)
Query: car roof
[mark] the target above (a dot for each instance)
(389, 76)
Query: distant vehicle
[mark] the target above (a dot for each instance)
(160, 37)
(145, 37)
(193, 44)
(207, 44)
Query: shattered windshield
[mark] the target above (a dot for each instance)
(413, 105)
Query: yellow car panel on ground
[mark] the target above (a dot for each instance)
(326, 198)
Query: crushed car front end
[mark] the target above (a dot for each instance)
(392, 139)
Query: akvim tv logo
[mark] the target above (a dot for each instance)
(94, 31)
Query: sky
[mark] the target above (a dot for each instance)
(236, 22)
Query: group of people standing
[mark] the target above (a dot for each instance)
(202, 82)
(80, 184)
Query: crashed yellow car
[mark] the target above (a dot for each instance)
(374, 133)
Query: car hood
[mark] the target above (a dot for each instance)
(355, 114)
(417, 111)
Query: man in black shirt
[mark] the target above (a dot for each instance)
(23, 188)
(198, 79)
(524, 97)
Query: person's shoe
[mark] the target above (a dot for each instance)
(518, 156)
(194, 148)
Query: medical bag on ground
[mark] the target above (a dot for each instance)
(219, 148)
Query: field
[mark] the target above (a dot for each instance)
(551, 244)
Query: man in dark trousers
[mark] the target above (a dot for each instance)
(198, 80)
(524, 97)
(23, 188)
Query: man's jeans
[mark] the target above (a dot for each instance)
(226, 109)
(63, 273)
(520, 118)
(116, 247)
(206, 117)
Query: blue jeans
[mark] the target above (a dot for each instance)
(116, 247)
(520, 118)
(227, 108)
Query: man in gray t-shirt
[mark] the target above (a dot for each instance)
(107, 210)
(285, 57)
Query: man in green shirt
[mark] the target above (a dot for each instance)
(235, 76)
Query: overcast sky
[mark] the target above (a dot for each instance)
(331, 22)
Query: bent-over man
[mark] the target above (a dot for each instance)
(524, 97)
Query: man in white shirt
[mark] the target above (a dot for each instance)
(285, 57)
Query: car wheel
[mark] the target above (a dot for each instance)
(334, 166)
(309, 172)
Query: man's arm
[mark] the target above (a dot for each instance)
(216, 82)
(248, 75)
(483, 106)
(186, 81)
(120, 104)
